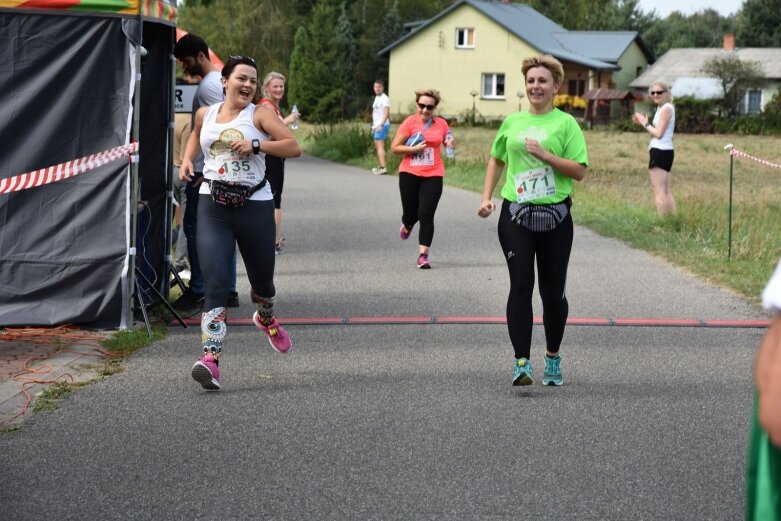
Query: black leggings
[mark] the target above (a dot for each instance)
(219, 228)
(275, 174)
(552, 250)
(419, 200)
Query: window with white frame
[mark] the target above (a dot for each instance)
(754, 101)
(493, 85)
(465, 38)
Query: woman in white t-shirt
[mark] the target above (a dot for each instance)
(660, 149)
(236, 206)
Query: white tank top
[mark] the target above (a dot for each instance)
(666, 141)
(222, 163)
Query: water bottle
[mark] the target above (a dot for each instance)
(294, 124)
(450, 151)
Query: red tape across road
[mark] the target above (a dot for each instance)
(574, 321)
(64, 170)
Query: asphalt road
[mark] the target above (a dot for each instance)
(411, 421)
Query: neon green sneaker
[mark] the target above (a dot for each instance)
(552, 375)
(523, 372)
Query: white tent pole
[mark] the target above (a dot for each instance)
(134, 183)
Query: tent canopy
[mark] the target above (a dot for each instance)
(160, 10)
(69, 78)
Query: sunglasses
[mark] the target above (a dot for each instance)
(422, 106)
(239, 57)
(657, 92)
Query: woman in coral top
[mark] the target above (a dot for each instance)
(419, 139)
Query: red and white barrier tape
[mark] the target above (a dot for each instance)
(64, 170)
(739, 153)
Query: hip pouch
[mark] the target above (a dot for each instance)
(233, 195)
(540, 217)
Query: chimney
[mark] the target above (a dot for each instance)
(729, 42)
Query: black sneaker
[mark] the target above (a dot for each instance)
(189, 300)
(233, 299)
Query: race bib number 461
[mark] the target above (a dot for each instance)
(534, 184)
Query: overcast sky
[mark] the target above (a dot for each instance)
(688, 7)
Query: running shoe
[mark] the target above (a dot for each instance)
(379, 171)
(423, 263)
(552, 375)
(206, 372)
(277, 337)
(404, 232)
(523, 372)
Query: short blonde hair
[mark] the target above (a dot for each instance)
(431, 93)
(273, 75)
(668, 93)
(544, 60)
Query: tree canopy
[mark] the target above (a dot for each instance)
(299, 38)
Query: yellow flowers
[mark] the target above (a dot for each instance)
(565, 101)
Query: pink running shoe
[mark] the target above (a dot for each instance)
(277, 337)
(423, 263)
(206, 372)
(404, 232)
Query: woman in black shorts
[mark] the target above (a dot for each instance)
(660, 149)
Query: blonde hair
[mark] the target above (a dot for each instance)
(431, 93)
(544, 60)
(668, 93)
(273, 75)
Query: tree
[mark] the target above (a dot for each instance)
(261, 29)
(318, 67)
(735, 76)
(759, 24)
(702, 29)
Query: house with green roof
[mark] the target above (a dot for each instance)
(472, 52)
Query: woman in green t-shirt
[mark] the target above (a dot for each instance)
(544, 151)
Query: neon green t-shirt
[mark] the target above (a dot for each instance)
(558, 133)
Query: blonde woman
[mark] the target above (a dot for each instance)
(544, 152)
(272, 90)
(660, 149)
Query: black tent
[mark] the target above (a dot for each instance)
(75, 83)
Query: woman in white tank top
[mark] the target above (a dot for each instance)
(235, 206)
(660, 149)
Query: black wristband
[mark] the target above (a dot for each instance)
(256, 146)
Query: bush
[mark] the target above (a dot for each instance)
(341, 142)
(693, 116)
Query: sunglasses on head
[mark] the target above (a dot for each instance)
(657, 92)
(422, 106)
(240, 58)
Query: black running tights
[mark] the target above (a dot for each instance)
(419, 200)
(219, 228)
(552, 250)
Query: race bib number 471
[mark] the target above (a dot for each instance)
(534, 184)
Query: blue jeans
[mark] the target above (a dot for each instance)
(190, 225)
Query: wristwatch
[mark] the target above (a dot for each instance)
(256, 146)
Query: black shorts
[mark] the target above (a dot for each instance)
(661, 159)
(275, 173)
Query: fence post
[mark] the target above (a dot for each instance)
(729, 206)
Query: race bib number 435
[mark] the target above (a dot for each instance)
(533, 184)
